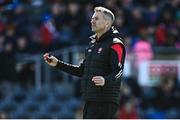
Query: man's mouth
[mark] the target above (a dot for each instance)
(93, 25)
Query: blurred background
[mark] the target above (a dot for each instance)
(31, 89)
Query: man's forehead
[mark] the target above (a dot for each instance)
(97, 14)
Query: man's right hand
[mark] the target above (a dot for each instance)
(50, 60)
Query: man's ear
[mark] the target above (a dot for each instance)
(108, 23)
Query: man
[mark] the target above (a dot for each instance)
(101, 69)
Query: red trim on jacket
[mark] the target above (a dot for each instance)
(119, 50)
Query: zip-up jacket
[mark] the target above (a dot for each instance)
(103, 57)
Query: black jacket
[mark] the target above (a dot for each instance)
(100, 60)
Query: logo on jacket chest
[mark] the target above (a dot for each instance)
(99, 50)
(95, 49)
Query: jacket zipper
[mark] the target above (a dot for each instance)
(90, 56)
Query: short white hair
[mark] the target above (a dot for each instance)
(106, 12)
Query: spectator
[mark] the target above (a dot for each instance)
(10, 33)
(1, 42)
(142, 48)
(20, 19)
(75, 16)
(165, 94)
(2, 26)
(47, 31)
(128, 110)
(136, 20)
(58, 11)
(120, 22)
(7, 63)
(26, 75)
(177, 24)
(161, 38)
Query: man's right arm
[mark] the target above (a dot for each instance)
(69, 68)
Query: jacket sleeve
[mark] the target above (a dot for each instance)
(117, 62)
(71, 69)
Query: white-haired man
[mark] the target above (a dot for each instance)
(101, 69)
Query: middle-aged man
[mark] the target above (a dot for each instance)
(102, 68)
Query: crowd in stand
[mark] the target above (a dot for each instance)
(32, 26)
(38, 26)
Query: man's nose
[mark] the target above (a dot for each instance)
(92, 21)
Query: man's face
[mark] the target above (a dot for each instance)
(98, 22)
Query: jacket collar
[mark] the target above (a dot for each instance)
(111, 32)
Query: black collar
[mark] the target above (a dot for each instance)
(111, 32)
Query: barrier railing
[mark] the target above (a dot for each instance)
(46, 75)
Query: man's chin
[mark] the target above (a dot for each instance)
(93, 30)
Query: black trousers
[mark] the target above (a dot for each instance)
(100, 110)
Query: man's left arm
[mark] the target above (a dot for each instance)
(117, 61)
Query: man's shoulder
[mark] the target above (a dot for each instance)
(117, 40)
(116, 36)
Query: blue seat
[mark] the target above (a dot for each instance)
(40, 97)
(51, 107)
(63, 92)
(43, 115)
(21, 115)
(74, 103)
(29, 107)
(8, 107)
(152, 113)
(19, 98)
(66, 113)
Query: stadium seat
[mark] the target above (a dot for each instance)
(63, 92)
(74, 104)
(8, 107)
(66, 113)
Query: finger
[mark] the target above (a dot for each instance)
(48, 59)
(46, 54)
(45, 58)
(98, 84)
(95, 79)
(96, 76)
